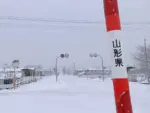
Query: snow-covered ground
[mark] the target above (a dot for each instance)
(70, 95)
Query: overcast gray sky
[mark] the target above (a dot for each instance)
(39, 42)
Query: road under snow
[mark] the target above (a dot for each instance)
(70, 95)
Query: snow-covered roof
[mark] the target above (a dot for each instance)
(94, 69)
(10, 69)
(6, 76)
(29, 68)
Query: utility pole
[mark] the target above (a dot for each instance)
(146, 62)
(56, 69)
(146, 56)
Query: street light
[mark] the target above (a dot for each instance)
(74, 67)
(61, 56)
(94, 55)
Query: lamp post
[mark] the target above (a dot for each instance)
(56, 67)
(74, 67)
(102, 61)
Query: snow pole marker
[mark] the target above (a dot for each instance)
(119, 71)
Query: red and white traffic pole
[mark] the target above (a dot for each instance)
(119, 71)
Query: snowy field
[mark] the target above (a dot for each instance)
(70, 95)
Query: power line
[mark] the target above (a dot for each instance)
(70, 27)
(48, 20)
(55, 20)
(69, 24)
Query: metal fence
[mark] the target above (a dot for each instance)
(18, 82)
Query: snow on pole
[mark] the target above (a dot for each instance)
(119, 72)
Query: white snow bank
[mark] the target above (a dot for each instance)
(70, 95)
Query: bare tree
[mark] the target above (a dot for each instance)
(142, 57)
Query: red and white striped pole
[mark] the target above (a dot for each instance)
(119, 71)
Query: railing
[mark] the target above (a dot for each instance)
(21, 81)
